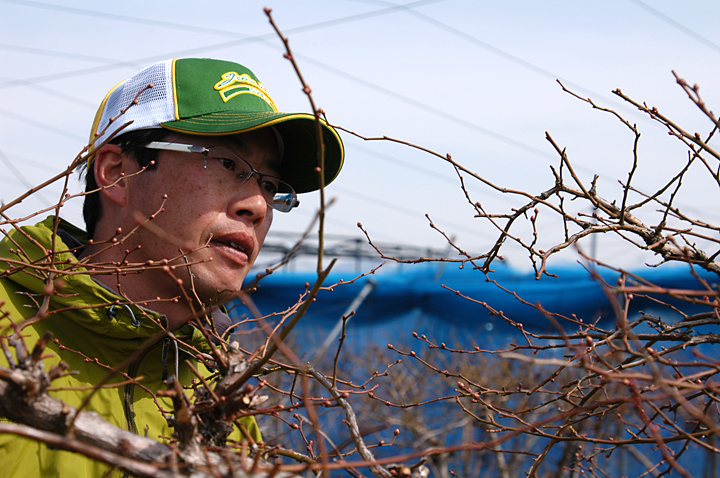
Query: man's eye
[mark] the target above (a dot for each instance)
(227, 163)
(269, 186)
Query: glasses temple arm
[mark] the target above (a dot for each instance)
(183, 148)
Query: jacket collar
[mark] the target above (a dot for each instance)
(31, 258)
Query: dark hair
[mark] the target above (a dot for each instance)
(132, 145)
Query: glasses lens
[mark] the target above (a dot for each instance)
(229, 167)
(226, 165)
(284, 202)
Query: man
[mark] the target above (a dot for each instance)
(189, 161)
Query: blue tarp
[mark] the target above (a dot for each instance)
(419, 294)
(412, 298)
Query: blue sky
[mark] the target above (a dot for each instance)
(475, 79)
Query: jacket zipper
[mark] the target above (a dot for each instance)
(128, 407)
(128, 396)
(164, 357)
(129, 390)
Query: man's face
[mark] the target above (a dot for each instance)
(214, 226)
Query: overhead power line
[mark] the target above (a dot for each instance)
(61, 54)
(21, 178)
(194, 28)
(241, 39)
(677, 25)
(43, 126)
(406, 8)
(154, 22)
(264, 39)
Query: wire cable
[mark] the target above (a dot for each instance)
(677, 25)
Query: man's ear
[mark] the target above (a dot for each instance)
(109, 173)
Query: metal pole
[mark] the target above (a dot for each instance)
(367, 288)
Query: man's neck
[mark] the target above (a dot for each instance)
(152, 288)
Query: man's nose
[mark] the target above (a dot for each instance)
(248, 203)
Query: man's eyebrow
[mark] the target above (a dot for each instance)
(240, 144)
(274, 164)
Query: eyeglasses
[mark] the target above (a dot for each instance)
(231, 168)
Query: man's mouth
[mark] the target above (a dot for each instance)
(242, 246)
(234, 245)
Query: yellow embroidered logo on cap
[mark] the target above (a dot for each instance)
(233, 84)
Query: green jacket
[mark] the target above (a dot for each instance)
(97, 330)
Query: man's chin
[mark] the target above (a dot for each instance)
(223, 296)
(211, 291)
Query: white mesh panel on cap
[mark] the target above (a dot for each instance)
(155, 105)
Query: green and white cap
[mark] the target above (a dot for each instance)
(202, 96)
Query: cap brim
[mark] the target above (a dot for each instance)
(298, 131)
